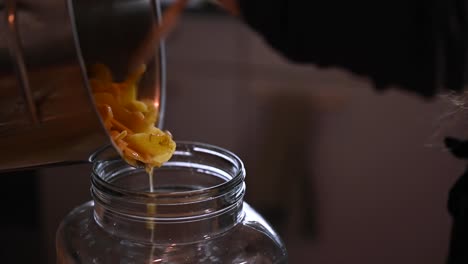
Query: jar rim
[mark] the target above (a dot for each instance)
(184, 148)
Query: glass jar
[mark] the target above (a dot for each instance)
(193, 213)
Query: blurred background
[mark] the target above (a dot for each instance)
(345, 174)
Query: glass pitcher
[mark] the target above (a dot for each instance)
(195, 214)
(47, 115)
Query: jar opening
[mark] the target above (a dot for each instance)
(202, 185)
(195, 170)
(200, 180)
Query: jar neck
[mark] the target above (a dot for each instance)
(197, 195)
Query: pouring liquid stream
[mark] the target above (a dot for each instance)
(131, 124)
(148, 145)
(151, 208)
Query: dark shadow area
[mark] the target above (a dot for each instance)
(19, 222)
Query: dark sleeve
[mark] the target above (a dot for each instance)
(458, 206)
(416, 45)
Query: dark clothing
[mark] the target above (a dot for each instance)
(416, 45)
(458, 207)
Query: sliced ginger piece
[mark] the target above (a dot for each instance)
(155, 148)
(129, 121)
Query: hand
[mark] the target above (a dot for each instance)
(229, 5)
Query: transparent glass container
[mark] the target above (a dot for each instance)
(194, 213)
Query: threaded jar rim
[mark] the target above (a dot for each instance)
(213, 164)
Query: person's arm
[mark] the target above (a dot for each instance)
(417, 45)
